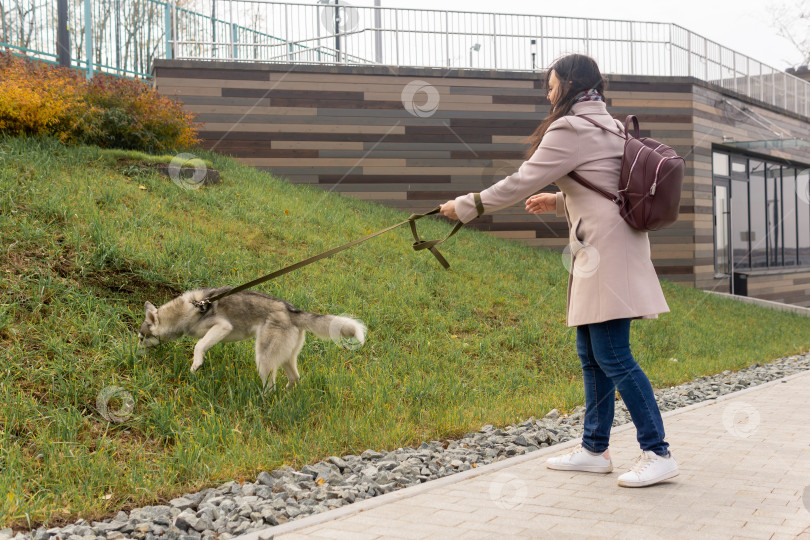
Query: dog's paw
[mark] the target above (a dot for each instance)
(195, 367)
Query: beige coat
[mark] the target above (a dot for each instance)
(611, 275)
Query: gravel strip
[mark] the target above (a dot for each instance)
(285, 494)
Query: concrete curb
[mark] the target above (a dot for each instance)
(778, 306)
(405, 493)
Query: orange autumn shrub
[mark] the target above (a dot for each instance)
(37, 99)
(130, 114)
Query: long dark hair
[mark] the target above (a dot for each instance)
(576, 73)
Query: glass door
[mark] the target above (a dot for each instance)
(721, 229)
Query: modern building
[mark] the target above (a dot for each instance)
(422, 108)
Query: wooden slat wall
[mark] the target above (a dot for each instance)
(664, 109)
(791, 288)
(348, 130)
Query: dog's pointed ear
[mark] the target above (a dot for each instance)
(151, 312)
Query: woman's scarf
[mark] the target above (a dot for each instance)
(591, 95)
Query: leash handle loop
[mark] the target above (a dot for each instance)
(419, 244)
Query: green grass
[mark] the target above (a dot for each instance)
(113, 155)
(86, 242)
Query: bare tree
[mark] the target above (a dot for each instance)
(792, 22)
(19, 15)
(102, 17)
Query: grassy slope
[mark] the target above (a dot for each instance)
(84, 245)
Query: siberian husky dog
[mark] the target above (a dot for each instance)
(278, 327)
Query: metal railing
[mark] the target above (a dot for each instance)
(127, 35)
(124, 38)
(344, 34)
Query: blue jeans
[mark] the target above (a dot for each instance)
(607, 365)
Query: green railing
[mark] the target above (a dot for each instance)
(120, 37)
(124, 37)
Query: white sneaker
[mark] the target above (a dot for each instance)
(580, 459)
(649, 469)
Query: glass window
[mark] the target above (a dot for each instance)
(803, 214)
(762, 213)
(720, 164)
(740, 232)
(788, 224)
(739, 168)
(757, 231)
(772, 214)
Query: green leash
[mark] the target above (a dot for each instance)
(418, 245)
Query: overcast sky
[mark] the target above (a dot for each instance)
(742, 25)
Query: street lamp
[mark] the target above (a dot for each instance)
(476, 48)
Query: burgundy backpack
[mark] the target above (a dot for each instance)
(652, 176)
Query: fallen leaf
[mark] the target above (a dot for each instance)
(142, 187)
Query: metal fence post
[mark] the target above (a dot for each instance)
(62, 34)
(396, 32)
(318, 32)
(632, 50)
(168, 30)
(287, 33)
(541, 61)
(671, 52)
(587, 38)
(214, 29)
(5, 30)
(234, 38)
(495, 41)
(447, 35)
(117, 9)
(706, 59)
(688, 53)
(795, 96)
(88, 36)
(748, 90)
(378, 55)
(761, 81)
(734, 67)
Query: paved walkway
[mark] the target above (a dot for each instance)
(744, 473)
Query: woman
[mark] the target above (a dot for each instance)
(612, 279)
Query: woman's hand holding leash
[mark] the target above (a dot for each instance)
(448, 209)
(536, 204)
(542, 202)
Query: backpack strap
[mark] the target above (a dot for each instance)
(576, 176)
(618, 134)
(606, 194)
(634, 119)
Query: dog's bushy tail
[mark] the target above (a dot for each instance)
(335, 327)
